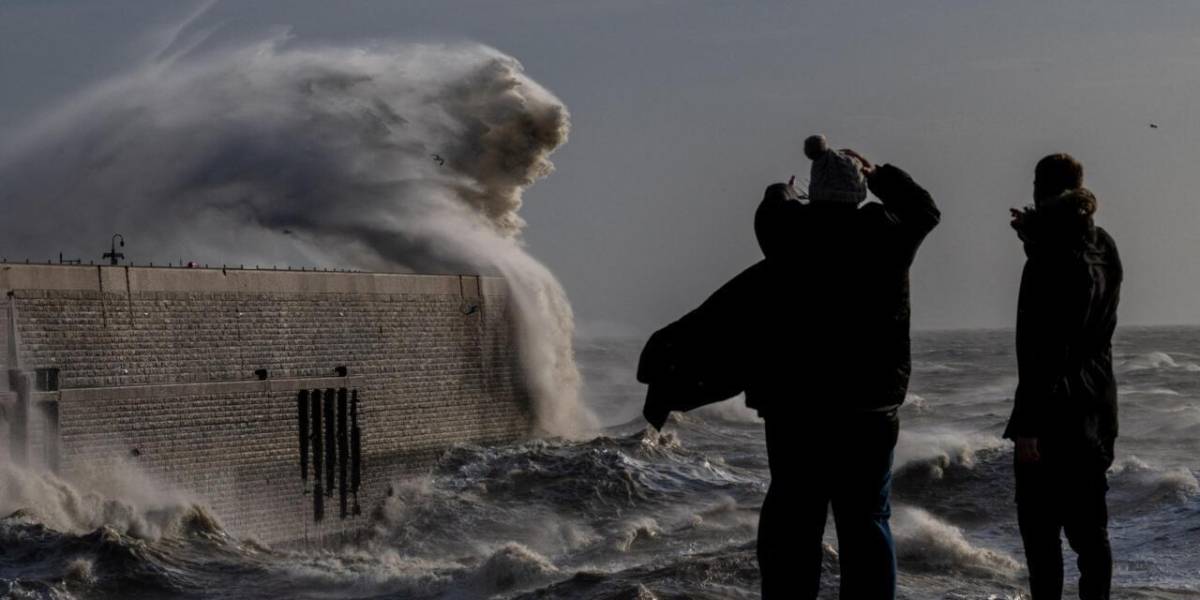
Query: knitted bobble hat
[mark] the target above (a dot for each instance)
(835, 176)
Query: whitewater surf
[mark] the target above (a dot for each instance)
(637, 514)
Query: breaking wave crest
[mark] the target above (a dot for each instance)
(409, 157)
(932, 455)
(122, 500)
(1138, 482)
(111, 531)
(1154, 361)
(925, 543)
(511, 566)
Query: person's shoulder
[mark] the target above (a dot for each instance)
(1105, 242)
(1107, 247)
(775, 204)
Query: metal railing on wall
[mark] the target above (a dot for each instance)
(188, 265)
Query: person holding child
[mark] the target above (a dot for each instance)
(834, 367)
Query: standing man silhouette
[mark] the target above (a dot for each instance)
(1064, 418)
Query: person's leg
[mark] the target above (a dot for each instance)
(789, 543)
(1086, 527)
(1038, 521)
(792, 521)
(862, 508)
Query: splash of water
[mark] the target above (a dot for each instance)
(122, 499)
(381, 157)
(923, 542)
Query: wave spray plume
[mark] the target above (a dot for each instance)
(383, 157)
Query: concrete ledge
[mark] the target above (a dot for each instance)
(493, 286)
(122, 280)
(266, 386)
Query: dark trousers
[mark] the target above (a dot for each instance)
(1057, 497)
(845, 461)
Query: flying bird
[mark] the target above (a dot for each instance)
(1154, 126)
(437, 158)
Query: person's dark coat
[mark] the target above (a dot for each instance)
(1067, 312)
(702, 358)
(838, 334)
(821, 324)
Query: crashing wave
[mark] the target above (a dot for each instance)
(512, 566)
(1154, 361)
(925, 543)
(121, 499)
(639, 529)
(930, 456)
(1136, 482)
(382, 157)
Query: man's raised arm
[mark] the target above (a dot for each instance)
(906, 204)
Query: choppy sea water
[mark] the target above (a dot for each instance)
(638, 515)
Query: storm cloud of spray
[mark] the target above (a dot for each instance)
(379, 157)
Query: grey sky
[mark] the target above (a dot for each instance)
(684, 111)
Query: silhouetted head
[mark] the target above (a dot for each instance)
(1055, 174)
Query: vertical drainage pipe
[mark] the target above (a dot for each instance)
(343, 452)
(317, 454)
(355, 451)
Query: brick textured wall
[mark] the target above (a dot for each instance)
(157, 368)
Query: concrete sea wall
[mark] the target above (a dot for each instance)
(286, 401)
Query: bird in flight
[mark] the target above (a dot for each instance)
(1154, 126)
(437, 158)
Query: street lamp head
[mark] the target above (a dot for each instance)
(112, 254)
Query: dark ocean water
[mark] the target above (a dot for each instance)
(638, 515)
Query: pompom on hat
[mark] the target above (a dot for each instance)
(836, 176)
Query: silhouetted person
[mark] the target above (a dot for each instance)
(1064, 418)
(833, 368)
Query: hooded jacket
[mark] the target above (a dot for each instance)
(1067, 312)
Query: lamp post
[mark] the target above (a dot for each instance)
(114, 256)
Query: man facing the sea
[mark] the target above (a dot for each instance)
(1064, 418)
(833, 367)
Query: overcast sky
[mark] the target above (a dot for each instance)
(684, 111)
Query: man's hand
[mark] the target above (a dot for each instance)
(864, 165)
(1027, 450)
(1021, 220)
(1018, 218)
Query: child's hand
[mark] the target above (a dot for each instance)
(864, 165)
(792, 192)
